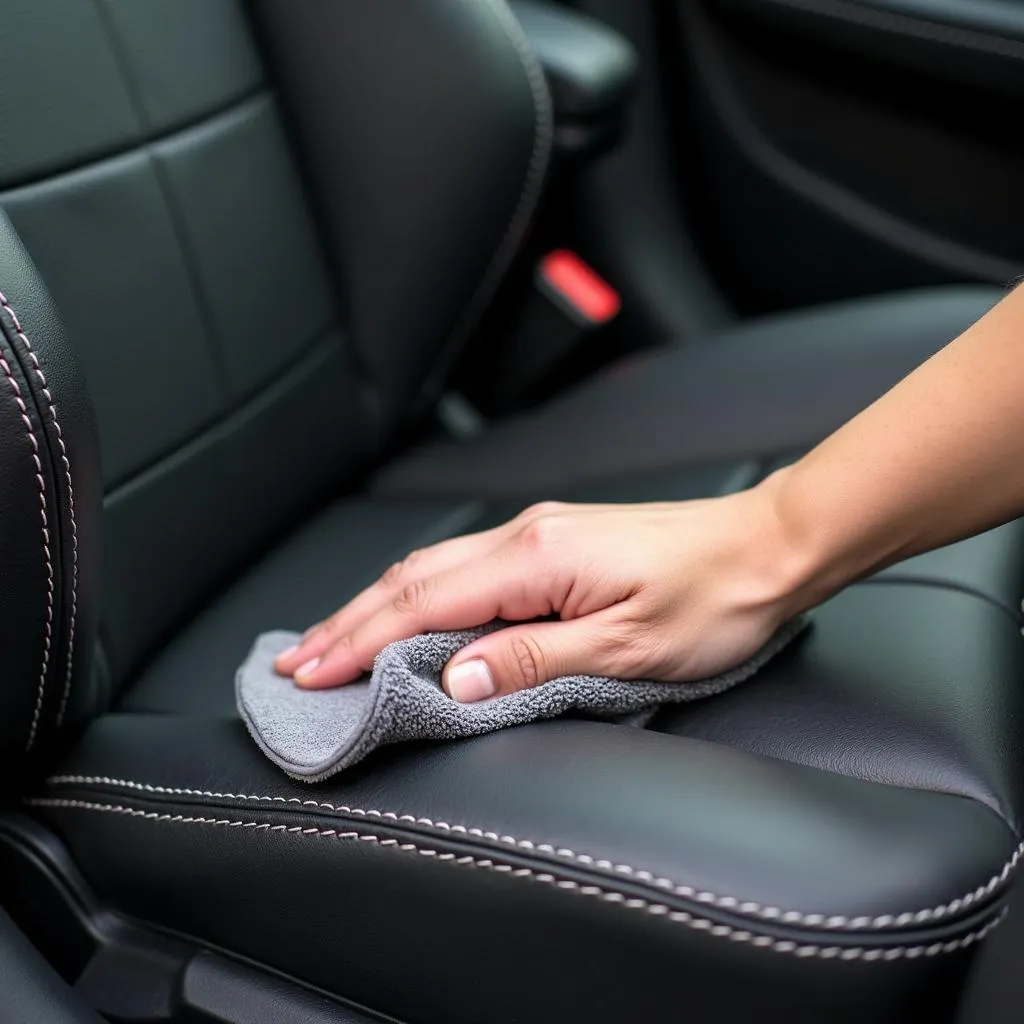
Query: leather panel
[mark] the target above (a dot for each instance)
(212, 502)
(179, 249)
(456, 129)
(738, 828)
(714, 817)
(76, 108)
(989, 564)
(28, 606)
(356, 539)
(755, 390)
(49, 515)
(114, 212)
(175, 237)
(307, 577)
(262, 312)
(869, 773)
(837, 838)
(902, 684)
(580, 957)
(183, 59)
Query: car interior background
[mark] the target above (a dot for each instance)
(288, 289)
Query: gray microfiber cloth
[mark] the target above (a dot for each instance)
(313, 734)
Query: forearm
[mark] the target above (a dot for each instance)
(938, 458)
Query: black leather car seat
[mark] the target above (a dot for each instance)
(265, 275)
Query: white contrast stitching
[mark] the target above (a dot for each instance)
(731, 903)
(71, 508)
(903, 24)
(543, 142)
(719, 931)
(47, 558)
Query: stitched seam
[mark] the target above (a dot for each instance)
(38, 370)
(721, 931)
(730, 903)
(902, 24)
(47, 558)
(543, 140)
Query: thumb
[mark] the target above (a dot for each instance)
(519, 657)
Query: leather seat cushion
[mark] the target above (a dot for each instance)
(832, 839)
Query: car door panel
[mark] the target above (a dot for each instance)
(832, 148)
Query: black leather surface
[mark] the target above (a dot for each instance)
(590, 68)
(447, 122)
(238, 382)
(49, 513)
(753, 391)
(32, 990)
(304, 579)
(595, 805)
(836, 834)
(158, 197)
(356, 915)
(990, 565)
(897, 683)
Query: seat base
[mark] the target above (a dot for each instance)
(129, 972)
(132, 973)
(835, 839)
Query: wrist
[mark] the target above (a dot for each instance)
(809, 563)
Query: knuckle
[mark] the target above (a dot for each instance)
(343, 647)
(541, 534)
(528, 660)
(539, 510)
(392, 575)
(401, 569)
(412, 598)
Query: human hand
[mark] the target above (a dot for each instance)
(673, 591)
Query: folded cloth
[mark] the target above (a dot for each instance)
(313, 734)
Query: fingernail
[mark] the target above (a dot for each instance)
(287, 652)
(471, 681)
(306, 669)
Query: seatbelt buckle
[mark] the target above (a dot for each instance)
(550, 337)
(577, 289)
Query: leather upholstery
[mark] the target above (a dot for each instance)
(303, 579)
(773, 385)
(861, 788)
(837, 835)
(49, 513)
(147, 170)
(456, 130)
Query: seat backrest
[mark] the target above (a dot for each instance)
(266, 229)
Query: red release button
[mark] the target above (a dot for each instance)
(580, 286)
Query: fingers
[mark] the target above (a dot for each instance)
(418, 564)
(524, 656)
(507, 582)
(519, 570)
